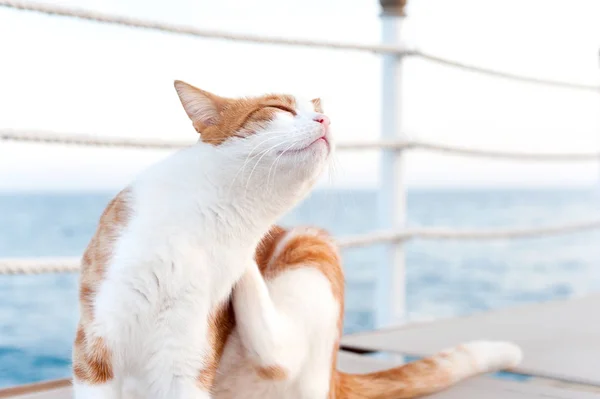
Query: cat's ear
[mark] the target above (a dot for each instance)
(202, 107)
(317, 104)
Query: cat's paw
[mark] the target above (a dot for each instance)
(494, 355)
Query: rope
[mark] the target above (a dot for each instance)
(505, 75)
(452, 234)
(248, 38)
(85, 140)
(523, 156)
(46, 137)
(86, 15)
(95, 141)
(39, 265)
(71, 265)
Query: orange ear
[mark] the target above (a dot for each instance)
(202, 107)
(317, 104)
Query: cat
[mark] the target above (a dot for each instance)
(302, 286)
(169, 248)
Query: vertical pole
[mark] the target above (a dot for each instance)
(391, 277)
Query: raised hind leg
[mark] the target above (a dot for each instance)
(279, 308)
(275, 344)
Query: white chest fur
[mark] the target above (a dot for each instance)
(172, 264)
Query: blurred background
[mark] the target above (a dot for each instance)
(72, 76)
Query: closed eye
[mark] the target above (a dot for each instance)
(276, 106)
(283, 108)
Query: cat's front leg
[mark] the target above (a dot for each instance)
(274, 343)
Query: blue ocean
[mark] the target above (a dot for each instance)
(38, 314)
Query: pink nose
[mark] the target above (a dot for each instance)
(322, 119)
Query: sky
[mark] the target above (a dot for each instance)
(71, 76)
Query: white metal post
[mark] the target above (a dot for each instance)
(391, 278)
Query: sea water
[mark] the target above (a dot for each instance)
(38, 314)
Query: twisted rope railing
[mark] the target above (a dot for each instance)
(95, 141)
(71, 265)
(514, 155)
(38, 265)
(88, 15)
(506, 75)
(433, 233)
(45, 137)
(131, 22)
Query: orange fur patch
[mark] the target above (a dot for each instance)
(412, 380)
(91, 357)
(266, 248)
(274, 373)
(315, 249)
(221, 323)
(317, 104)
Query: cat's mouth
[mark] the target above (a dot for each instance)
(321, 140)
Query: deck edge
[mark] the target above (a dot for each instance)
(11, 392)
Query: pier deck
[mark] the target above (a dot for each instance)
(560, 339)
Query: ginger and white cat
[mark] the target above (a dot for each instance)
(170, 247)
(284, 340)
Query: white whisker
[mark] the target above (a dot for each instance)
(248, 158)
(258, 161)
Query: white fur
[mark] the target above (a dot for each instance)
(479, 357)
(196, 220)
(492, 356)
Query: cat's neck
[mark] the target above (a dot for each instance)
(213, 191)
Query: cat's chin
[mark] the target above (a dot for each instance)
(315, 145)
(308, 163)
(311, 159)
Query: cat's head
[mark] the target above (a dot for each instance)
(275, 139)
